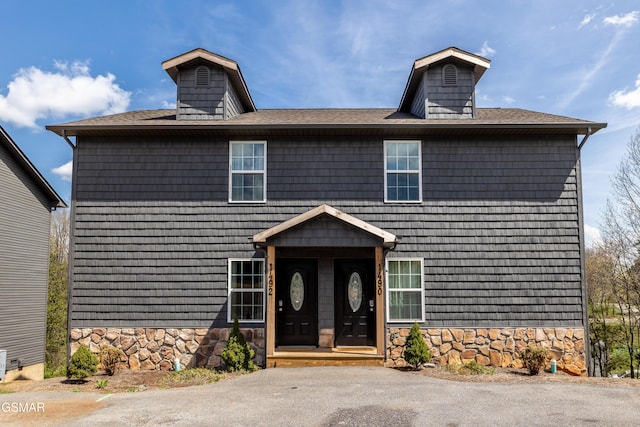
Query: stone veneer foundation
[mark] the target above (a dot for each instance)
(157, 348)
(493, 346)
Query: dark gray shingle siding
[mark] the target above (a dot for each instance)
(500, 250)
(201, 103)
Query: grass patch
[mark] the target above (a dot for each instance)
(604, 310)
(470, 368)
(4, 390)
(474, 368)
(192, 376)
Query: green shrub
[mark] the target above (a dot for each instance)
(110, 359)
(83, 364)
(534, 358)
(237, 354)
(416, 351)
(100, 384)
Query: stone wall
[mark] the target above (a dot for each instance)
(493, 347)
(156, 349)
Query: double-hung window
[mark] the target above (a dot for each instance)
(402, 171)
(246, 290)
(405, 290)
(248, 171)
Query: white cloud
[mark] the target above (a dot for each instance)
(590, 73)
(586, 20)
(508, 100)
(592, 236)
(64, 171)
(627, 99)
(36, 94)
(622, 20)
(486, 50)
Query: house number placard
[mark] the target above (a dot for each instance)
(270, 280)
(379, 281)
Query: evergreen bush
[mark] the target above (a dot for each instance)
(110, 359)
(534, 358)
(237, 354)
(83, 364)
(416, 351)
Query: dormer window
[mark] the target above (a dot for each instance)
(449, 75)
(202, 76)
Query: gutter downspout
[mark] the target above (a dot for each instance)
(583, 278)
(70, 253)
(66, 138)
(586, 136)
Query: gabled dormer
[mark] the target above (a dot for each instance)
(442, 85)
(209, 86)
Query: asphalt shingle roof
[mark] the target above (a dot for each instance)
(338, 117)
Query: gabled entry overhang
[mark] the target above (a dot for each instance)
(386, 239)
(324, 230)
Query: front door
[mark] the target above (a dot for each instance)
(297, 302)
(355, 302)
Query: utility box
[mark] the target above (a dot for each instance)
(3, 363)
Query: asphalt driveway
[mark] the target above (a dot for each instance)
(359, 396)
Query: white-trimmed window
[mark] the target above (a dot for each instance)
(402, 171)
(405, 290)
(247, 171)
(246, 290)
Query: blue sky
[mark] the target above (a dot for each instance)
(68, 60)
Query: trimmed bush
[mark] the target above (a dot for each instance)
(416, 351)
(237, 354)
(534, 358)
(83, 364)
(110, 359)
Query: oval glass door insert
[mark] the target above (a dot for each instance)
(354, 291)
(296, 291)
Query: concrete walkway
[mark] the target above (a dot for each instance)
(360, 396)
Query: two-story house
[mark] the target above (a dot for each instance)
(27, 200)
(328, 232)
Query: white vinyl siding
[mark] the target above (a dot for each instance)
(405, 290)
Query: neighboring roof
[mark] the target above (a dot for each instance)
(384, 120)
(172, 67)
(54, 199)
(480, 65)
(389, 240)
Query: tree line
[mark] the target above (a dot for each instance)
(56, 341)
(613, 274)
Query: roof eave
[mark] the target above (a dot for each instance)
(579, 127)
(55, 201)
